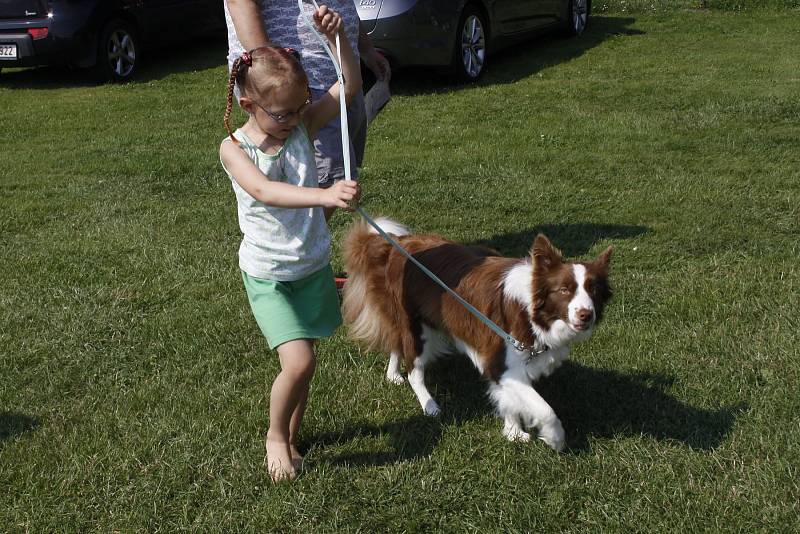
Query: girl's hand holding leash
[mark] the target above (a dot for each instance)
(328, 21)
(343, 194)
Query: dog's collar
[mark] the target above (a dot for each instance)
(532, 351)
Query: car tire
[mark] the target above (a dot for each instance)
(577, 17)
(118, 54)
(470, 48)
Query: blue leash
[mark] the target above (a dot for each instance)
(337, 60)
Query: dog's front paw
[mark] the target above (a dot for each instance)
(514, 432)
(431, 409)
(395, 378)
(553, 434)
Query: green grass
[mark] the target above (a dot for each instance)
(647, 6)
(133, 379)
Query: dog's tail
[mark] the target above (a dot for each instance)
(390, 227)
(366, 300)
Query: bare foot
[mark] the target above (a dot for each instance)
(279, 461)
(297, 458)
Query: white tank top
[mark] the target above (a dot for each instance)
(284, 244)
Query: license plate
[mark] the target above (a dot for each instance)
(8, 51)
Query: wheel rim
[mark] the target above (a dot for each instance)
(579, 15)
(473, 46)
(121, 53)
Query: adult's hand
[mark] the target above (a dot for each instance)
(379, 65)
(373, 59)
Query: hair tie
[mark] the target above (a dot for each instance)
(292, 52)
(247, 59)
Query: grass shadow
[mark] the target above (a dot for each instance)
(205, 53)
(591, 403)
(209, 53)
(521, 60)
(13, 424)
(602, 403)
(409, 438)
(573, 239)
(456, 386)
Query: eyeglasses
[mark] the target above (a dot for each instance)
(286, 117)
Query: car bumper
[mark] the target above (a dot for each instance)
(59, 47)
(27, 50)
(24, 54)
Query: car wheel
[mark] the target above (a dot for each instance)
(117, 52)
(577, 17)
(469, 54)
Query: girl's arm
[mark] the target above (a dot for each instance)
(247, 23)
(320, 112)
(279, 194)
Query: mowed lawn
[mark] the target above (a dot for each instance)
(133, 380)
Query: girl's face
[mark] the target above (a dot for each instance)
(278, 114)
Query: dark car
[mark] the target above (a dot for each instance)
(106, 34)
(460, 34)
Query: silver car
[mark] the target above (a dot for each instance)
(461, 33)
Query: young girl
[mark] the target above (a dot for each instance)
(284, 255)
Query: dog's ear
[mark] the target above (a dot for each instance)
(603, 259)
(544, 254)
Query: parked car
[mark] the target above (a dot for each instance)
(460, 34)
(106, 34)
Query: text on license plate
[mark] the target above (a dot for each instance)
(8, 51)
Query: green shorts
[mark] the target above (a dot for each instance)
(303, 309)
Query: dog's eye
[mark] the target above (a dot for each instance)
(563, 290)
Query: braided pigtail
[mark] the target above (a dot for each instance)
(229, 105)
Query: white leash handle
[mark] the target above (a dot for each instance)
(337, 62)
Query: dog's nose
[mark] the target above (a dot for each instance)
(585, 315)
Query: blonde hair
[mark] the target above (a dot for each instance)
(260, 71)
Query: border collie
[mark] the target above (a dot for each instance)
(542, 301)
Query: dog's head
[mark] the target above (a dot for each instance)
(568, 298)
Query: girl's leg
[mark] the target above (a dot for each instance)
(288, 390)
(294, 430)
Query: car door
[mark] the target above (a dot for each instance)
(552, 10)
(520, 16)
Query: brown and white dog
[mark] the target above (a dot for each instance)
(542, 301)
